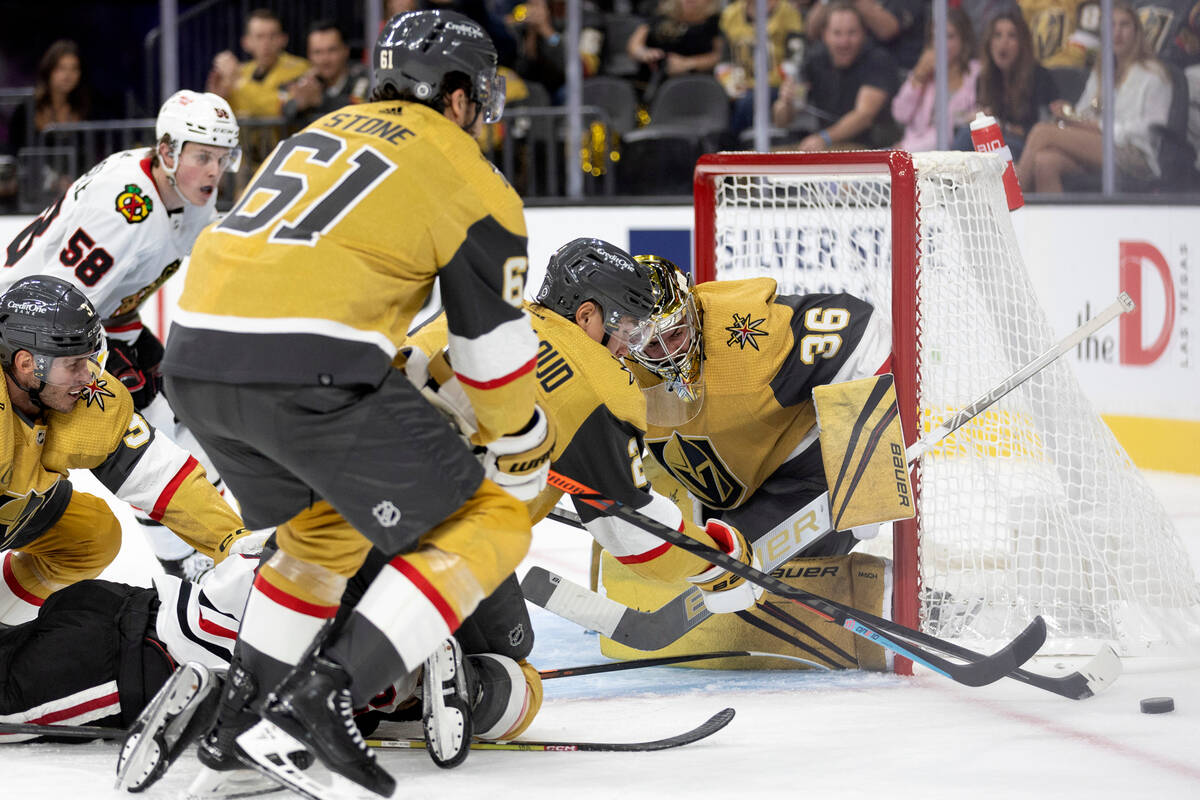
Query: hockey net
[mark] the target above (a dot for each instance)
(1032, 507)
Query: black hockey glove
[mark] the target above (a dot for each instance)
(136, 366)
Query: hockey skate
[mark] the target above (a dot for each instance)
(183, 708)
(225, 771)
(446, 704)
(312, 708)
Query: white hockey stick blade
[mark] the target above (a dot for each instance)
(641, 630)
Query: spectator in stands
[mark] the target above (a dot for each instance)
(1064, 31)
(59, 94)
(256, 88)
(1072, 143)
(1012, 86)
(848, 82)
(913, 105)
(980, 12)
(1172, 30)
(684, 37)
(898, 25)
(785, 29)
(332, 82)
(541, 51)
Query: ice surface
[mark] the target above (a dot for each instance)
(796, 735)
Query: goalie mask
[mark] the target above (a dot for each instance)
(594, 270)
(671, 346)
(416, 51)
(57, 325)
(200, 118)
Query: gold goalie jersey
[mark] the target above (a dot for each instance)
(316, 274)
(599, 417)
(103, 434)
(763, 354)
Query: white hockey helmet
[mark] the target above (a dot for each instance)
(200, 117)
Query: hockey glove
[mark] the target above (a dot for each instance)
(725, 592)
(437, 383)
(136, 366)
(520, 462)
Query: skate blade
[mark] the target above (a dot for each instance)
(213, 784)
(267, 746)
(144, 751)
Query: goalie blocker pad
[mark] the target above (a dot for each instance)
(775, 625)
(862, 447)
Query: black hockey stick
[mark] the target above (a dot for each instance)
(978, 671)
(662, 661)
(701, 731)
(63, 731)
(1088, 680)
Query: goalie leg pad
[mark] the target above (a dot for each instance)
(776, 625)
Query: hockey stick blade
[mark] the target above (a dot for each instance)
(702, 731)
(663, 661)
(641, 630)
(980, 670)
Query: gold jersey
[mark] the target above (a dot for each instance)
(105, 435)
(763, 354)
(599, 417)
(314, 277)
(1060, 30)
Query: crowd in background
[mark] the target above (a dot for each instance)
(842, 74)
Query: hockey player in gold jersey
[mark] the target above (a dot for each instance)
(60, 411)
(728, 373)
(594, 297)
(280, 360)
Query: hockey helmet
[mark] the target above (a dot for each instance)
(418, 49)
(592, 269)
(55, 323)
(199, 117)
(673, 347)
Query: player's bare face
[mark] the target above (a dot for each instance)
(63, 384)
(1005, 45)
(199, 171)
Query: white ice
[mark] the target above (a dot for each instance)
(796, 735)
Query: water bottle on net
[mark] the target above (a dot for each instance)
(988, 138)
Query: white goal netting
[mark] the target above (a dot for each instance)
(1033, 507)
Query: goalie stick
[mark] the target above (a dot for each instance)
(1091, 678)
(979, 669)
(701, 731)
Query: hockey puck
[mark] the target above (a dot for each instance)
(1158, 705)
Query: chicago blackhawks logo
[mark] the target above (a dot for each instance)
(95, 392)
(134, 204)
(744, 331)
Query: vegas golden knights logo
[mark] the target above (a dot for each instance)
(1048, 29)
(15, 513)
(695, 463)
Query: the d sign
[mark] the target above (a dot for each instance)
(1133, 254)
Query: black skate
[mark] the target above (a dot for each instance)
(312, 707)
(446, 705)
(226, 772)
(183, 709)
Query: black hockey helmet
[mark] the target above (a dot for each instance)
(49, 318)
(592, 269)
(418, 49)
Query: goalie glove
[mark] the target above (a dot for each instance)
(437, 383)
(520, 462)
(723, 591)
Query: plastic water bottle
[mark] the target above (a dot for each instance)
(988, 138)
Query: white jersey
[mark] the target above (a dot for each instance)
(111, 235)
(199, 622)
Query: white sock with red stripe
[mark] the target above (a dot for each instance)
(17, 604)
(281, 625)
